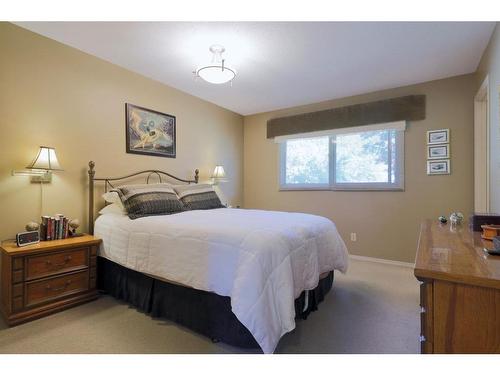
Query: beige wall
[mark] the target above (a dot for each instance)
(387, 223)
(490, 66)
(57, 96)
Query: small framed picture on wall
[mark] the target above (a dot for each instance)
(438, 167)
(438, 136)
(441, 151)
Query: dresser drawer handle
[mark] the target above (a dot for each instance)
(49, 288)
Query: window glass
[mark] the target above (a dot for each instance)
(363, 157)
(307, 161)
(372, 159)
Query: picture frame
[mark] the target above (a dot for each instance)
(149, 132)
(439, 151)
(438, 136)
(437, 167)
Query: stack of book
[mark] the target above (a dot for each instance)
(54, 227)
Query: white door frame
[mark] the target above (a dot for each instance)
(482, 148)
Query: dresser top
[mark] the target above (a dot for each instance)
(457, 255)
(11, 248)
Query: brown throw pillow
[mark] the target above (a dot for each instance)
(198, 197)
(149, 200)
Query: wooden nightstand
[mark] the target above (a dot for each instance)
(47, 277)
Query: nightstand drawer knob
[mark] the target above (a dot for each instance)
(422, 338)
(422, 310)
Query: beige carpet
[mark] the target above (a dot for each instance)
(372, 309)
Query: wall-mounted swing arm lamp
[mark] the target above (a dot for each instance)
(40, 169)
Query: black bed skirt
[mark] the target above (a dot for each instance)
(206, 313)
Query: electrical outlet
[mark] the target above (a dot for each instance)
(353, 237)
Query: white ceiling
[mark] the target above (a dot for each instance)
(282, 64)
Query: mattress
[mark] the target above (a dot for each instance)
(262, 260)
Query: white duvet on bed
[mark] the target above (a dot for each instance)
(263, 260)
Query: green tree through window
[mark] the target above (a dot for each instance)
(368, 159)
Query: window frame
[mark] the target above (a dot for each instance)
(332, 185)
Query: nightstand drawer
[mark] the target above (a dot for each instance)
(46, 277)
(49, 289)
(55, 263)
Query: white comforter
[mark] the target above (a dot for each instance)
(263, 260)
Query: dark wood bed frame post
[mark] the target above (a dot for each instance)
(91, 196)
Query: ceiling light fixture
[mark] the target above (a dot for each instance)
(217, 72)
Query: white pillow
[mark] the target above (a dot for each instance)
(113, 197)
(113, 208)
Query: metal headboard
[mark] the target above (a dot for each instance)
(108, 182)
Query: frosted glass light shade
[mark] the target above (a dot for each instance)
(216, 74)
(219, 173)
(46, 159)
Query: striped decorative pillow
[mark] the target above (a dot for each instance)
(198, 197)
(149, 200)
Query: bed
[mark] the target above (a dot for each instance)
(235, 275)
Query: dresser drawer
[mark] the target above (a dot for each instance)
(49, 289)
(55, 263)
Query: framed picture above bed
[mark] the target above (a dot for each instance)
(149, 132)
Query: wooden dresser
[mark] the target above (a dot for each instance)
(47, 277)
(459, 292)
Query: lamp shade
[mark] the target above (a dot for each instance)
(46, 159)
(217, 72)
(219, 173)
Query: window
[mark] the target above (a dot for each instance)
(367, 157)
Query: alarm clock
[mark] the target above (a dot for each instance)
(27, 238)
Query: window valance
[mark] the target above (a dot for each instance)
(405, 108)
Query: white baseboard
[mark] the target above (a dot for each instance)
(383, 261)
